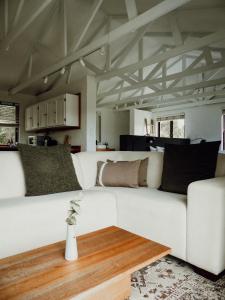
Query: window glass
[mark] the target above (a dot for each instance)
(178, 128)
(165, 128)
(223, 131)
(9, 123)
(7, 135)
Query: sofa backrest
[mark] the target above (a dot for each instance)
(12, 182)
(86, 165)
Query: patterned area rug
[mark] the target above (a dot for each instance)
(172, 279)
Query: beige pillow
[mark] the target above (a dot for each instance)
(142, 173)
(121, 173)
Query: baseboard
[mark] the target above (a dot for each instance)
(204, 273)
(208, 275)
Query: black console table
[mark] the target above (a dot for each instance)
(143, 143)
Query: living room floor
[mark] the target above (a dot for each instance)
(172, 279)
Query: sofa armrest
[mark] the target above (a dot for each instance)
(206, 224)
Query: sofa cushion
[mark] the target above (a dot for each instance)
(120, 173)
(31, 222)
(184, 164)
(48, 170)
(159, 216)
(142, 172)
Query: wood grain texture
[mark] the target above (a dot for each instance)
(107, 255)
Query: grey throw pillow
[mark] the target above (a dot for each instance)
(48, 170)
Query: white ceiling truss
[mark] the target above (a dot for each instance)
(146, 82)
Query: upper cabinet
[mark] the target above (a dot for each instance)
(60, 112)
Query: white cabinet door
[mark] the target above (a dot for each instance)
(56, 112)
(72, 110)
(51, 107)
(28, 118)
(60, 111)
(43, 110)
(31, 117)
(35, 117)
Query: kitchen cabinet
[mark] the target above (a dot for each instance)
(59, 112)
(31, 117)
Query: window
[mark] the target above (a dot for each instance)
(223, 130)
(171, 126)
(9, 123)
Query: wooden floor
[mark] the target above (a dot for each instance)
(107, 258)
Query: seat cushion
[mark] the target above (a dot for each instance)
(32, 222)
(157, 215)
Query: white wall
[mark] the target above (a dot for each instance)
(113, 124)
(200, 122)
(137, 121)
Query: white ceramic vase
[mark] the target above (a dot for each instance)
(71, 244)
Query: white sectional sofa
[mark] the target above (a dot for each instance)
(193, 225)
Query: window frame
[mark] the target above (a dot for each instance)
(14, 125)
(171, 122)
(223, 130)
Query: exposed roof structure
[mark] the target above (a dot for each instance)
(145, 54)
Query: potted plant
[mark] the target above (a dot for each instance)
(71, 252)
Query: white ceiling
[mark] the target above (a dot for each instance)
(41, 45)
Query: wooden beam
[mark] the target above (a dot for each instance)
(16, 32)
(101, 26)
(140, 57)
(20, 97)
(208, 55)
(164, 72)
(154, 70)
(6, 17)
(91, 67)
(108, 48)
(189, 68)
(131, 9)
(183, 106)
(64, 18)
(94, 10)
(179, 75)
(150, 15)
(169, 91)
(128, 79)
(47, 22)
(30, 65)
(121, 56)
(18, 13)
(69, 74)
(182, 99)
(178, 40)
(191, 45)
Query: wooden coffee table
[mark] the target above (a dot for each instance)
(107, 258)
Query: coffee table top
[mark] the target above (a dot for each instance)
(43, 273)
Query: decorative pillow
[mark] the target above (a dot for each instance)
(121, 173)
(48, 170)
(142, 173)
(184, 164)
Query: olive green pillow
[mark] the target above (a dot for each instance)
(48, 170)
